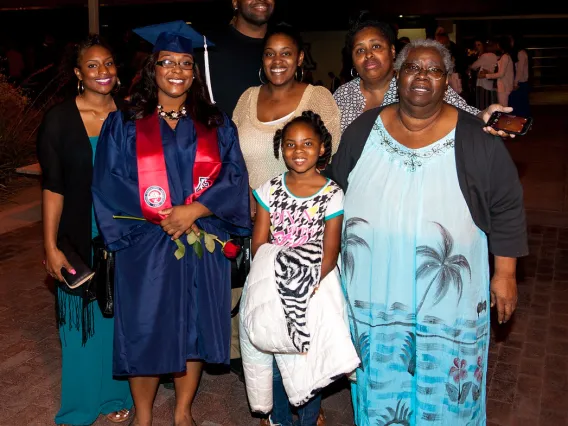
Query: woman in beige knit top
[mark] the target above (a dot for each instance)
(262, 110)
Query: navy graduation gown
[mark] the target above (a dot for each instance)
(167, 310)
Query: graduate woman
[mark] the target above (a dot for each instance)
(174, 161)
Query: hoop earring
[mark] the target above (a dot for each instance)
(80, 87)
(301, 76)
(356, 73)
(260, 76)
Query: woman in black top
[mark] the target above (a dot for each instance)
(66, 144)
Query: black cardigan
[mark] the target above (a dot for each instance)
(66, 158)
(487, 177)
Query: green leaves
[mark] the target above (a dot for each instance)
(209, 242)
(198, 249)
(192, 238)
(180, 252)
(195, 241)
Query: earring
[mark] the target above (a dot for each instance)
(80, 87)
(356, 73)
(260, 76)
(301, 76)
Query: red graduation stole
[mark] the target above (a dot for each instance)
(152, 174)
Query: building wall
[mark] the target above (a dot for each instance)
(412, 33)
(325, 50)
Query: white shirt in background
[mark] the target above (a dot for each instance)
(522, 67)
(505, 74)
(486, 62)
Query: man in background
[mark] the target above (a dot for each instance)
(234, 65)
(235, 60)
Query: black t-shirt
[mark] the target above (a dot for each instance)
(234, 63)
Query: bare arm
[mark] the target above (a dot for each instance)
(504, 287)
(252, 205)
(261, 228)
(55, 259)
(331, 245)
(477, 64)
(503, 63)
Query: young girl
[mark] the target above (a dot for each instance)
(296, 208)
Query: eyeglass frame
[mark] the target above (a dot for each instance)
(161, 64)
(406, 65)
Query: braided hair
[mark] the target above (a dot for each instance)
(314, 120)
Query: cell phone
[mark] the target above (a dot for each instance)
(509, 123)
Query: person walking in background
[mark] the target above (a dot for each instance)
(455, 81)
(485, 93)
(519, 98)
(505, 74)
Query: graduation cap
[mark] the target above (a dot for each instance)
(175, 36)
(178, 37)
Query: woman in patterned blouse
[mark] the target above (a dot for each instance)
(372, 47)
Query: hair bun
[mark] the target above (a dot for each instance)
(311, 115)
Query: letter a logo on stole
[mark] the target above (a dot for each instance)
(204, 182)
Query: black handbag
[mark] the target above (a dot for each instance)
(103, 265)
(240, 267)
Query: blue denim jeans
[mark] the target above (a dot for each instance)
(281, 410)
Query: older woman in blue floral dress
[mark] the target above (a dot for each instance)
(428, 195)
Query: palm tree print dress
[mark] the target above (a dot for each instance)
(416, 276)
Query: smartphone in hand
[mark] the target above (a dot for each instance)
(510, 123)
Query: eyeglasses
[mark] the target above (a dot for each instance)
(432, 72)
(184, 65)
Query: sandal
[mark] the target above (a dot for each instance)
(119, 416)
(321, 418)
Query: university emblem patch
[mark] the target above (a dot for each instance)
(155, 196)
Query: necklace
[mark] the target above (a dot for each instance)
(96, 116)
(172, 115)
